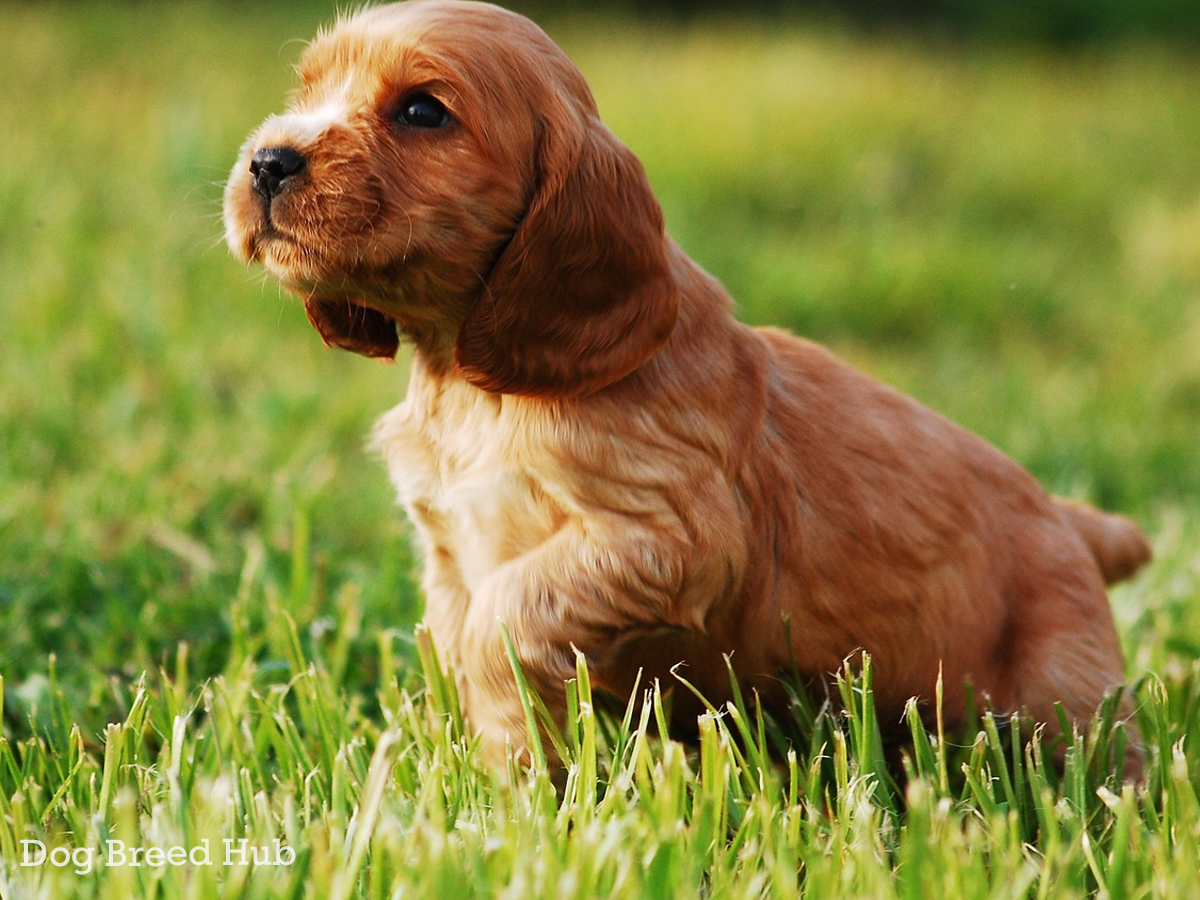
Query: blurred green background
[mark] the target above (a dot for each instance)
(1061, 23)
(998, 216)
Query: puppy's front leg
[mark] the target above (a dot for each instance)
(580, 589)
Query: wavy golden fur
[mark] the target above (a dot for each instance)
(596, 452)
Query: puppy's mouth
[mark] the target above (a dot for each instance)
(342, 321)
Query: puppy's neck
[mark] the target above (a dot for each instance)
(433, 347)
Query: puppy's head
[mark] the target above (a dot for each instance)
(442, 170)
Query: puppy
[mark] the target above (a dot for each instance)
(596, 453)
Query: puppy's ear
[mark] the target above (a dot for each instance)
(352, 327)
(583, 293)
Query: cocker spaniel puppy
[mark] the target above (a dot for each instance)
(596, 453)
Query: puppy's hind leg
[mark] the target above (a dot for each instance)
(1064, 649)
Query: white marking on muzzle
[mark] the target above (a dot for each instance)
(306, 126)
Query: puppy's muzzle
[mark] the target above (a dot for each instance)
(272, 168)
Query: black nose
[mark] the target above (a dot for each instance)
(271, 168)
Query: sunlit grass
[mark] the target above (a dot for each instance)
(206, 595)
(396, 803)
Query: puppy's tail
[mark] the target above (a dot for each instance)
(1118, 545)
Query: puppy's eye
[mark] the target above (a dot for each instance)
(423, 111)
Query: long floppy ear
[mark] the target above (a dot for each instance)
(583, 294)
(353, 327)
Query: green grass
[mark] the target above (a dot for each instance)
(206, 594)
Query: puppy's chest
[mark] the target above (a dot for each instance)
(476, 489)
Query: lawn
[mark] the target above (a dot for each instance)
(207, 599)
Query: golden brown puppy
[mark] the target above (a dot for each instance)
(595, 452)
